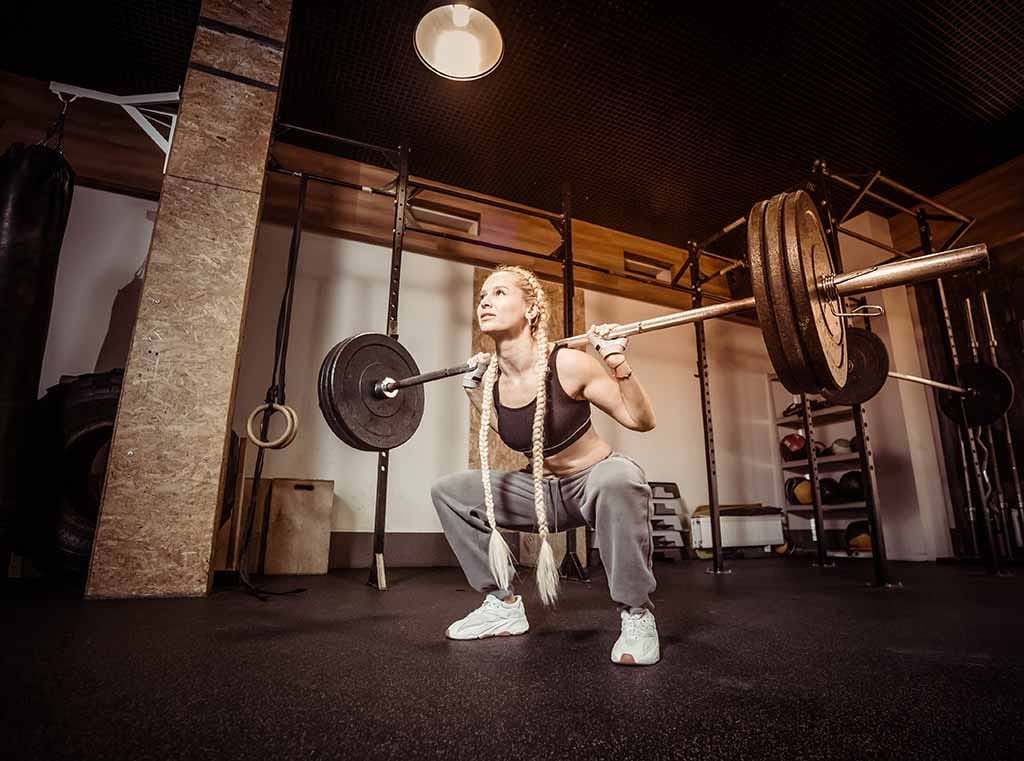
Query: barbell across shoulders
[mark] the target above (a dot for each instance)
(907, 272)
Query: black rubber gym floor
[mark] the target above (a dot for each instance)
(777, 660)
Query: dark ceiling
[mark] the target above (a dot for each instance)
(667, 124)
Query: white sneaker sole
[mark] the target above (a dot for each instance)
(505, 633)
(628, 659)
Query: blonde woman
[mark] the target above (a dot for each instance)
(539, 402)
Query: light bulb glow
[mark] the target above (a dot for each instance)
(458, 41)
(460, 15)
(457, 53)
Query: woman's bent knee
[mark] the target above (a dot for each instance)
(457, 487)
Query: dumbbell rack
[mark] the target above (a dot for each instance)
(818, 511)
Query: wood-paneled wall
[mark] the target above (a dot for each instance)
(108, 150)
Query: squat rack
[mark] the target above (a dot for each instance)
(403, 190)
(871, 186)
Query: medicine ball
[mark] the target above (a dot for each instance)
(804, 492)
(851, 485)
(793, 447)
(841, 446)
(830, 491)
(790, 486)
(858, 536)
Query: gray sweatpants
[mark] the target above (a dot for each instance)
(611, 497)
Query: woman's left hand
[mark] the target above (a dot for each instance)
(612, 350)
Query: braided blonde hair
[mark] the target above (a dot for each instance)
(499, 555)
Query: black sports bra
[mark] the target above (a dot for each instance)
(565, 419)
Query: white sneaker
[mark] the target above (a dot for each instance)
(638, 644)
(492, 619)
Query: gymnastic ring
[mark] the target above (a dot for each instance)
(295, 427)
(286, 438)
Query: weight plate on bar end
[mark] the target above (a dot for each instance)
(868, 368)
(762, 298)
(804, 379)
(992, 399)
(328, 408)
(374, 423)
(822, 331)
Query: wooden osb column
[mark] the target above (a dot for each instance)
(154, 536)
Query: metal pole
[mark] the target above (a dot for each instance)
(988, 546)
(378, 576)
(571, 568)
(879, 559)
(1018, 512)
(812, 463)
(718, 565)
(1002, 514)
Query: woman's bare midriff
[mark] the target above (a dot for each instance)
(586, 451)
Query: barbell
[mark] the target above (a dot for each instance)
(370, 389)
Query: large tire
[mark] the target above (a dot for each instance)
(60, 501)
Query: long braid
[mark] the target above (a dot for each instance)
(499, 555)
(547, 571)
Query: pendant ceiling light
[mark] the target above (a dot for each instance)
(459, 40)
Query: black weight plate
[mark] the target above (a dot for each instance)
(822, 331)
(373, 422)
(782, 305)
(756, 253)
(325, 395)
(868, 368)
(992, 395)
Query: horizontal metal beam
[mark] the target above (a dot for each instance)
(484, 243)
(467, 196)
(332, 181)
(391, 153)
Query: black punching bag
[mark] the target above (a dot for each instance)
(35, 197)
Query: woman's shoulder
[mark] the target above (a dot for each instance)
(575, 368)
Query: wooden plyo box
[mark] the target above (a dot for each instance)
(298, 527)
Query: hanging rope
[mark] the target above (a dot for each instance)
(274, 402)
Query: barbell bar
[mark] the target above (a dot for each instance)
(933, 383)
(876, 278)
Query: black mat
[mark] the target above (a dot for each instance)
(775, 661)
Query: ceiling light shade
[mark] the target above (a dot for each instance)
(459, 40)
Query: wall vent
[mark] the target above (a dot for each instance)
(448, 217)
(645, 266)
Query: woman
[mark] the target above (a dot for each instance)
(542, 403)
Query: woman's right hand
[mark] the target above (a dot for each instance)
(471, 380)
